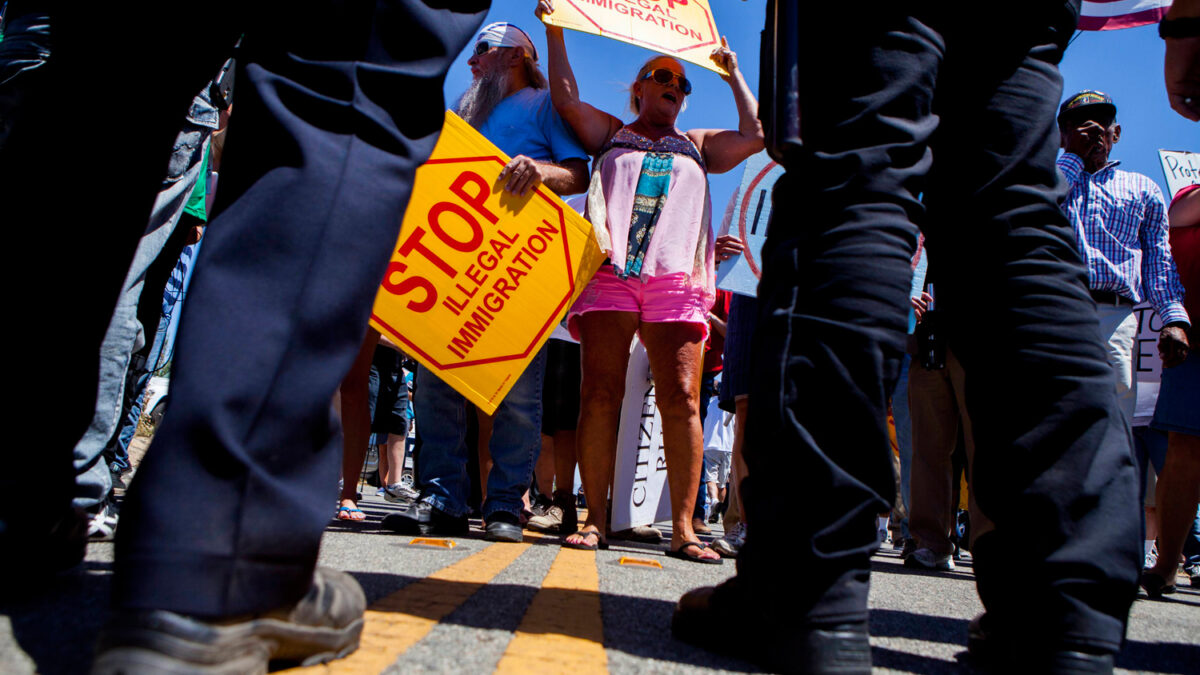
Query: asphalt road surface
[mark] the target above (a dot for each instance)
(482, 607)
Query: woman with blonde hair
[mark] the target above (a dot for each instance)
(649, 205)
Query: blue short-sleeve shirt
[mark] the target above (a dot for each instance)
(526, 123)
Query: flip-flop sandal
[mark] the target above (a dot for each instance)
(600, 543)
(347, 513)
(680, 555)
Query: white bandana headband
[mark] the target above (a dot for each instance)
(504, 34)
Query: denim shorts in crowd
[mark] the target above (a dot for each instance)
(1178, 407)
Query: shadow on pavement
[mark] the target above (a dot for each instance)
(893, 623)
(640, 627)
(1159, 657)
(882, 657)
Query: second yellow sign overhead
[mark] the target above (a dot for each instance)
(684, 29)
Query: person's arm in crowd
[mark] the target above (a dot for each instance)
(717, 323)
(1181, 63)
(920, 304)
(592, 126)
(1163, 288)
(1075, 145)
(727, 246)
(523, 174)
(1185, 211)
(724, 149)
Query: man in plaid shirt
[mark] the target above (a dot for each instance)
(1121, 227)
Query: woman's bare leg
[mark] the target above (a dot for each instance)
(356, 419)
(1178, 493)
(676, 351)
(604, 354)
(395, 454)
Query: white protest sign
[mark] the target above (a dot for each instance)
(740, 274)
(1180, 169)
(1147, 366)
(640, 493)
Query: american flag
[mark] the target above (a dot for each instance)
(1114, 14)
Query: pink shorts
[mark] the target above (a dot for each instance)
(654, 300)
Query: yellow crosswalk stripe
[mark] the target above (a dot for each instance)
(562, 630)
(398, 621)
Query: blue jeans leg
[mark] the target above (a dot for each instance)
(516, 440)
(442, 471)
(707, 390)
(125, 335)
(1191, 545)
(160, 354)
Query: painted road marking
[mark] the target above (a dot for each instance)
(398, 621)
(640, 562)
(562, 630)
(436, 543)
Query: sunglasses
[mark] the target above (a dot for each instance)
(665, 77)
(482, 48)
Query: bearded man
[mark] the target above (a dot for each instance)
(508, 102)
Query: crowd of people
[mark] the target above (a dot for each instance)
(1006, 376)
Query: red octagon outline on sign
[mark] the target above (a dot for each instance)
(712, 31)
(749, 255)
(546, 326)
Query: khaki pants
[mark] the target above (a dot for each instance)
(939, 410)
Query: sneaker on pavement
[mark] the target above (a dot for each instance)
(120, 478)
(550, 521)
(1151, 559)
(399, 493)
(424, 519)
(910, 546)
(324, 625)
(729, 545)
(540, 505)
(926, 559)
(102, 525)
(700, 527)
(565, 501)
(1193, 572)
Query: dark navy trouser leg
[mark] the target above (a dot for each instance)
(334, 113)
(898, 117)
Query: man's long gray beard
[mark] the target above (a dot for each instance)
(482, 96)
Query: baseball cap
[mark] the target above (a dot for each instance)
(505, 34)
(1087, 99)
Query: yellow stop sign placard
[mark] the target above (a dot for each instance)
(479, 277)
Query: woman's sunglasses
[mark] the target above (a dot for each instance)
(664, 77)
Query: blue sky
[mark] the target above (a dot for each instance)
(1127, 64)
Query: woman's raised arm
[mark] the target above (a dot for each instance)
(724, 149)
(593, 127)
